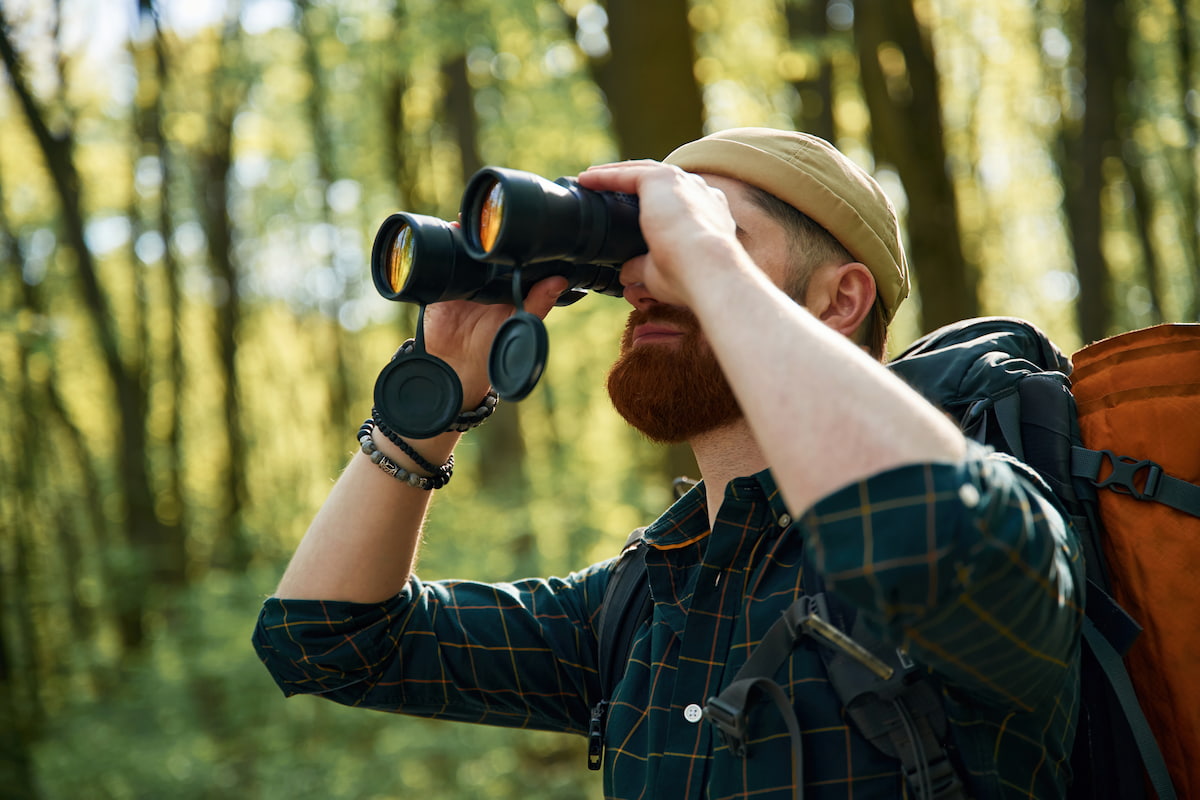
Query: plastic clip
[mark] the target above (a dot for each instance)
(731, 724)
(1124, 476)
(596, 736)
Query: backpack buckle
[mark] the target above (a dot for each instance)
(730, 723)
(1125, 476)
(596, 735)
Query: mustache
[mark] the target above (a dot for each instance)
(678, 316)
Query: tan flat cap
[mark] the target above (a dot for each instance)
(814, 177)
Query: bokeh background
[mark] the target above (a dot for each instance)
(189, 190)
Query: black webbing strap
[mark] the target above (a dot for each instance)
(1141, 479)
(1008, 418)
(1118, 678)
(890, 702)
(902, 715)
(729, 710)
(627, 602)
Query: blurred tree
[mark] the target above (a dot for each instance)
(1183, 160)
(399, 147)
(338, 379)
(21, 714)
(812, 76)
(124, 368)
(900, 83)
(1085, 147)
(648, 77)
(500, 440)
(152, 152)
(228, 84)
(17, 731)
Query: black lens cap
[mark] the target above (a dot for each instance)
(518, 356)
(418, 395)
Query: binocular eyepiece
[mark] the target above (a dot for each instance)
(512, 222)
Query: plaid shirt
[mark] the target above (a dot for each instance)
(967, 566)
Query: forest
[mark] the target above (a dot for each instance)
(189, 334)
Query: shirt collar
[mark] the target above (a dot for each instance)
(686, 521)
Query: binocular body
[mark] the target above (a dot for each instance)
(517, 228)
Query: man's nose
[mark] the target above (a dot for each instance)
(637, 295)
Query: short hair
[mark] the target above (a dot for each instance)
(814, 246)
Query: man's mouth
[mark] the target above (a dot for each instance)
(651, 332)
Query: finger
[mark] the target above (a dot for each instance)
(544, 294)
(624, 176)
(635, 162)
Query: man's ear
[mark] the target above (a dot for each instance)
(841, 295)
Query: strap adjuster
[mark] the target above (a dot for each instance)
(730, 723)
(596, 735)
(1126, 475)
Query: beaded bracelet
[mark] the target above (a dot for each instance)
(439, 478)
(398, 440)
(467, 419)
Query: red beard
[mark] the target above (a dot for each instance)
(670, 392)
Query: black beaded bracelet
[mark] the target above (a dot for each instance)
(467, 419)
(398, 440)
(439, 478)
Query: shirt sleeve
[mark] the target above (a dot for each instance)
(514, 654)
(968, 566)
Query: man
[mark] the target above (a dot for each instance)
(773, 263)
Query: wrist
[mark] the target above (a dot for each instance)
(401, 460)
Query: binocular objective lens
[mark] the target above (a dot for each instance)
(491, 215)
(400, 259)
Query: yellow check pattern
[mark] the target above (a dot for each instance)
(967, 566)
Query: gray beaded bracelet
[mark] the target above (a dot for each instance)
(436, 481)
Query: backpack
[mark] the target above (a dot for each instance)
(1090, 444)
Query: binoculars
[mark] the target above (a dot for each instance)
(515, 229)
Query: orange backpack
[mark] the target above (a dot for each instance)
(1138, 401)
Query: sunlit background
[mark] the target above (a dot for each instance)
(189, 192)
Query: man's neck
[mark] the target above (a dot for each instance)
(723, 454)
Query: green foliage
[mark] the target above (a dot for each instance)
(198, 717)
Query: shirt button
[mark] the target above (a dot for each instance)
(693, 713)
(784, 520)
(969, 495)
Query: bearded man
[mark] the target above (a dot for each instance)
(759, 320)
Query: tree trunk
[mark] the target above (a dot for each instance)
(231, 547)
(649, 77)
(900, 83)
(1183, 171)
(1084, 150)
(808, 31)
(656, 104)
(16, 739)
(19, 710)
(136, 498)
(341, 419)
(171, 501)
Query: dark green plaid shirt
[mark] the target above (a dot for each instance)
(967, 566)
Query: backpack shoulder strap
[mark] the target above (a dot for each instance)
(891, 701)
(626, 604)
